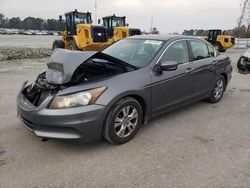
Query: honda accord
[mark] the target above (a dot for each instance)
(111, 93)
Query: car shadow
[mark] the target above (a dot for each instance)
(79, 144)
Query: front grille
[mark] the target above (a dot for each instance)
(99, 34)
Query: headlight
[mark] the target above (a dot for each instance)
(77, 99)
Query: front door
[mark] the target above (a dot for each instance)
(172, 87)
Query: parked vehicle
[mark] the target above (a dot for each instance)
(244, 62)
(81, 34)
(110, 93)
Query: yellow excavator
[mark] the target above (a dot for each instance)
(219, 40)
(81, 34)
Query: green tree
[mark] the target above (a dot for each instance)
(15, 23)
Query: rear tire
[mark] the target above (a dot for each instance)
(123, 121)
(58, 44)
(72, 45)
(218, 90)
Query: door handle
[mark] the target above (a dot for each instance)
(189, 70)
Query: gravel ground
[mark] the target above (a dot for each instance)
(200, 145)
(24, 53)
(25, 46)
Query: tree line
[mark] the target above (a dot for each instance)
(32, 23)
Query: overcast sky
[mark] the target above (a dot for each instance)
(168, 15)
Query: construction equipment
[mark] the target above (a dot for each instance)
(219, 40)
(117, 28)
(80, 34)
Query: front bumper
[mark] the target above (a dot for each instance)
(82, 122)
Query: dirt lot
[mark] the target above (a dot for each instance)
(201, 145)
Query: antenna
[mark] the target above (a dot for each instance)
(96, 11)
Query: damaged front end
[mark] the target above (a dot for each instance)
(67, 68)
(37, 92)
(45, 111)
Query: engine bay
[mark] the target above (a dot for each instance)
(89, 71)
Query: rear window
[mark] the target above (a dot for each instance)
(199, 49)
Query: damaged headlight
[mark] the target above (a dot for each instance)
(77, 99)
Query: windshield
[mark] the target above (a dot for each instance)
(136, 52)
(118, 22)
(82, 18)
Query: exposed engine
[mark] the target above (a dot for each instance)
(90, 70)
(37, 92)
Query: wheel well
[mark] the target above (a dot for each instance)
(143, 105)
(225, 76)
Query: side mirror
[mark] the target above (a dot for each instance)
(99, 21)
(169, 65)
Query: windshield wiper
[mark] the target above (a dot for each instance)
(118, 61)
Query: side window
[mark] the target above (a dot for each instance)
(210, 51)
(199, 49)
(178, 52)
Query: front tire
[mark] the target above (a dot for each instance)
(218, 90)
(123, 121)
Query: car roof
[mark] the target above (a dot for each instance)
(163, 37)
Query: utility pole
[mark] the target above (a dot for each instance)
(95, 11)
(152, 22)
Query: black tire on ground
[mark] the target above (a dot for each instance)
(123, 121)
(218, 90)
(218, 46)
(58, 44)
(72, 45)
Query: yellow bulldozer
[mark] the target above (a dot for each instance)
(219, 40)
(117, 28)
(81, 34)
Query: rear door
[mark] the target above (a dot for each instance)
(203, 56)
(172, 87)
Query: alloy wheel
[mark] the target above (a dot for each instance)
(219, 88)
(126, 121)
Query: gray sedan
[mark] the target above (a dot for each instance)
(109, 94)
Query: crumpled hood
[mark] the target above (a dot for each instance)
(63, 63)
